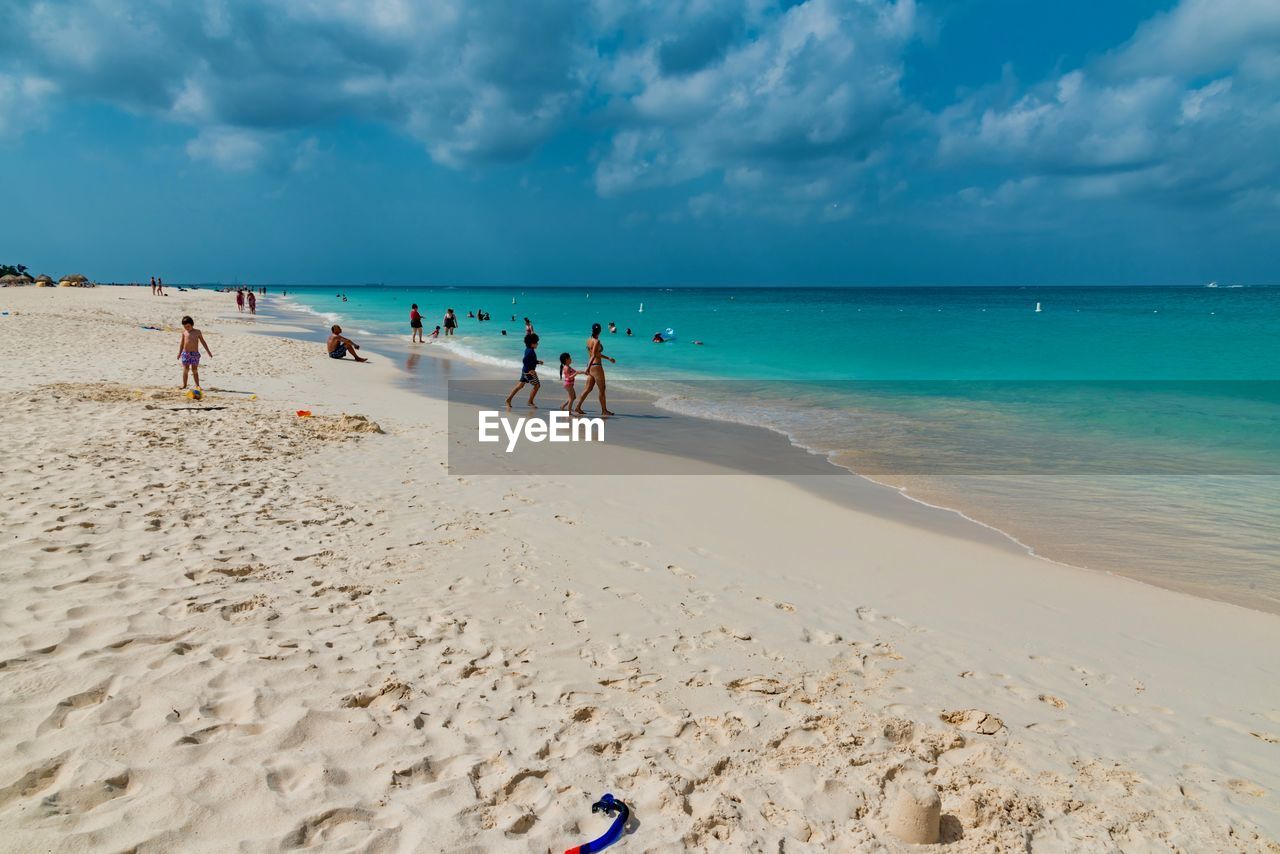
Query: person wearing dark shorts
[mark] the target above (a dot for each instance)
(415, 323)
(339, 346)
(528, 370)
(450, 322)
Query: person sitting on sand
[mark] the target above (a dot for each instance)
(339, 346)
(528, 370)
(189, 350)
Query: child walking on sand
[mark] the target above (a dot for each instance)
(528, 370)
(189, 350)
(567, 375)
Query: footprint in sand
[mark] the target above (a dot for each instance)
(76, 702)
(819, 637)
(288, 780)
(82, 799)
(345, 827)
(757, 685)
(1261, 735)
(34, 781)
(1056, 702)
(1244, 787)
(416, 774)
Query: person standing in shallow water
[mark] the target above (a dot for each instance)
(415, 323)
(595, 371)
(450, 322)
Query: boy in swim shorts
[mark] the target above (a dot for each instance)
(528, 370)
(189, 350)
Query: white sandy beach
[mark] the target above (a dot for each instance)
(236, 629)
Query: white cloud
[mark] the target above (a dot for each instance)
(789, 109)
(1143, 121)
(1199, 37)
(811, 91)
(22, 100)
(228, 148)
(474, 80)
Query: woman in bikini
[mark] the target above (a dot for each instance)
(595, 370)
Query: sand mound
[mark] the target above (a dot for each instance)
(974, 720)
(344, 424)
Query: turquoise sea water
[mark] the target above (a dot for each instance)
(1129, 429)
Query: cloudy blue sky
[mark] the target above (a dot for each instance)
(645, 142)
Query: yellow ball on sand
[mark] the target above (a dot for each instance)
(195, 394)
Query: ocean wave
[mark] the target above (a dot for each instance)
(471, 354)
(293, 305)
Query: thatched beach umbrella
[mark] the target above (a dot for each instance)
(44, 278)
(10, 281)
(75, 280)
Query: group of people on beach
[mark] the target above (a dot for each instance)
(157, 287)
(339, 347)
(415, 324)
(568, 374)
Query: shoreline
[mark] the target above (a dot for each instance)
(760, 441)
(230, 624)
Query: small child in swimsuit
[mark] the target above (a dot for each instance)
(567, 376)
(528, 370)
(189, 350)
